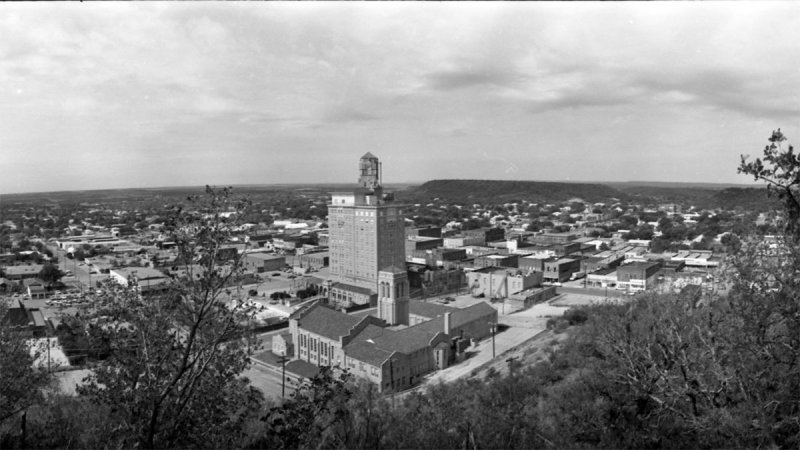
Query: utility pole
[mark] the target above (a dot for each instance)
(283, 373)
(493, 328)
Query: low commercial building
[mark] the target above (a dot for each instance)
(532, 263)
(510, 261)
(431, 280)
(430, 231)
(417, 243)
(697, 258)
(556, 238)
(637, 276)
(539, 250)
(72, 243)
(36, 291)
(595, 263)
(602, 278)
(462, 241)
(501, 283)
(344, 295)
(100, 264)
(532, 296)
(148, 280)
(22, 272)
(636, 254)
(263, 262)
(439, 257)
(290, 243)
(259, 240)
(560, 270)
(485, 234)
(316, 260)
(566, 248)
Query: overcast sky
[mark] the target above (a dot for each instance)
(96, 95)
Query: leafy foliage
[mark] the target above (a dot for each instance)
(21, 382)
(172, 376)
(50, 274)
(780, 169)
(316, 415)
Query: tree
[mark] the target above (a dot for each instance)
(780, 169)
(50, 274)
(731, 242)
(21, 382)
(173, 374)
(316, 415)
(629, 221)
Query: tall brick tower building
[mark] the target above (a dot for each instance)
(366, 230)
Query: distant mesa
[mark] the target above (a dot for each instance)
(506, 190)
(702, 195)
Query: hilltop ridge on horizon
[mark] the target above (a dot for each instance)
(629, 183)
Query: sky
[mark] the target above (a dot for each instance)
(118, 95)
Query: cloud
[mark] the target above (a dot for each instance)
(348, 114)
(576, 99)
(741, 91)
(454, 79)
(120, 79)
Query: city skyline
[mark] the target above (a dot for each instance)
(145, 95)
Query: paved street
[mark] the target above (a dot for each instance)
(266, 380)
(79, 270)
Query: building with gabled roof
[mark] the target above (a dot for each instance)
(393, 357)
(29, 322)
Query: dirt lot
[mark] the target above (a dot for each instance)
(582, 300)
(525, 354)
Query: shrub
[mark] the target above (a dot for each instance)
(576, 316)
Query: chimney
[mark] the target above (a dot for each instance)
(447, 323)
